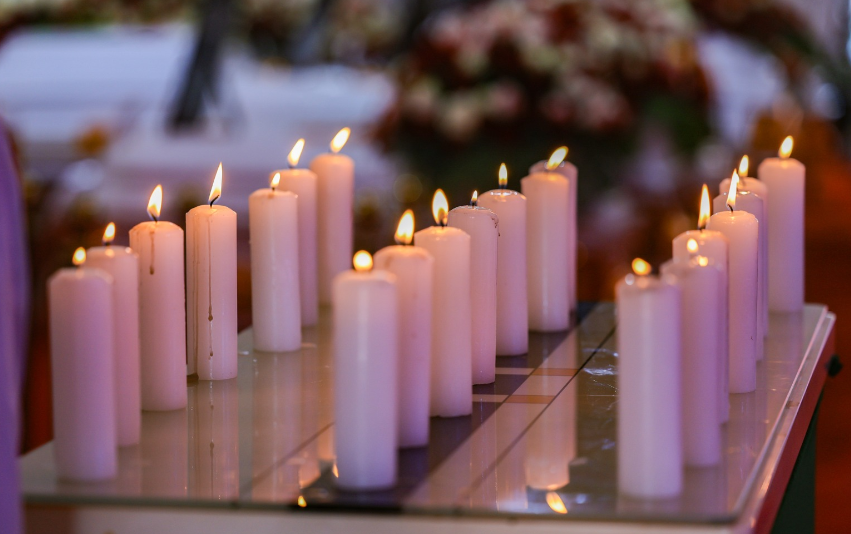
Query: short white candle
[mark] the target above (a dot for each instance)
(547, 259)
(336, 194)
(414, 271)
(512, 307)
(650, 447)
(785, 178)
(482, 225)
(275, 304)
(81, 313)
(162, 310)
(211, 287)
(451, 325)
(122, 264)
(700, 287)
(366, 354)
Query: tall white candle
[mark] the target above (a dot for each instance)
(122, 264)
(650, 449)
(451, 326)
(211, 287)
(742, 232)
(547, 259)
(700, 287)
(81, 313)
(303, 183)
(785, 179)
(512, 307)
(482, 225)
(162, 310)
(275, 304)
(366, 353)
(414, 271)
(336, 193)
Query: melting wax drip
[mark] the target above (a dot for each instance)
(152, 250)
(210, 280)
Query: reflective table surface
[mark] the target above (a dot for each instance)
(541, 441)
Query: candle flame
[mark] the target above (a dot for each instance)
(734, 188)
(335, 471)
(440, 207)
(555, 503)
(640, 267)
(474, 201)
(557, 157)
(743, 166)
(155, 203)
(705, 208)
(703, 261)
(216, 190)
(79, 256)
(362, 261)
(276, 179)
(503, 175)
(786, 147)
(301, 502)
(691, 245)
(339, 140)
(109, 233)
(295, 153)
(405, 229)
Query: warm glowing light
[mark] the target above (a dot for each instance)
(109, 233)
(705, 208)
(405, 230)
(640, 267)
(301, 501)
(216, 190)
(276, 179)
(786, 147)
(503, 175)
(362, 261)
(691, 245)
(440, 207)
(475, 200)
(335, 471)
(79, 256)
(557, 157)
(295, 153)
(555, 503)
(703, 261)
(734, 188)
(339, 140)
(155, 203)
(743, 166)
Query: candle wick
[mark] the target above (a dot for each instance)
(729, 207)
(474, 203)
(213, 201)
(503, 186)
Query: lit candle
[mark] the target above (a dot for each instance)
(122, 264)
(451, 324)
(512, 308)
(162, 309)
(211, 287)
(275, 304)
(81, 330)
(366, 351)
(336, 192)
(547, 259)
(414, 271)
(650, 449)
(303, 183)
(482, 225)
(785, 179)
(742, 232)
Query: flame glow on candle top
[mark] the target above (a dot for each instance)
(362, 261)
(301, 502)
(705, 211)
(155, 203)
(691, 245)
(108, 234)
(786, 147)
(557, 158)
(474, 201)
(440, 207)
(276, 179)
(734, 188)
(405, 229)
(339, 140)
(555, 503)
(216, 190)
(503, 176)
(703, 261)
(295, 153)
(743, 166)
(640, 267)
(79, 256)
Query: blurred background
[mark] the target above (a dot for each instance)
(105, 99)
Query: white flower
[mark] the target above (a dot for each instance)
(460, 117)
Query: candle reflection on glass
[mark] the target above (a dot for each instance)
(215, 459)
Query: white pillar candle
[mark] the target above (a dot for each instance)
(366, 354)
(650, 449)
(482, 225)
(122, 264)
(336, 194)
(414, 271)
(275, 304)
(742, 232)
(211, 287)
(700, 288)
(162, 310)
(512, 308)
(785, 179)
(451, 326)
(303, 183)
(547, 259)
(81, 313)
